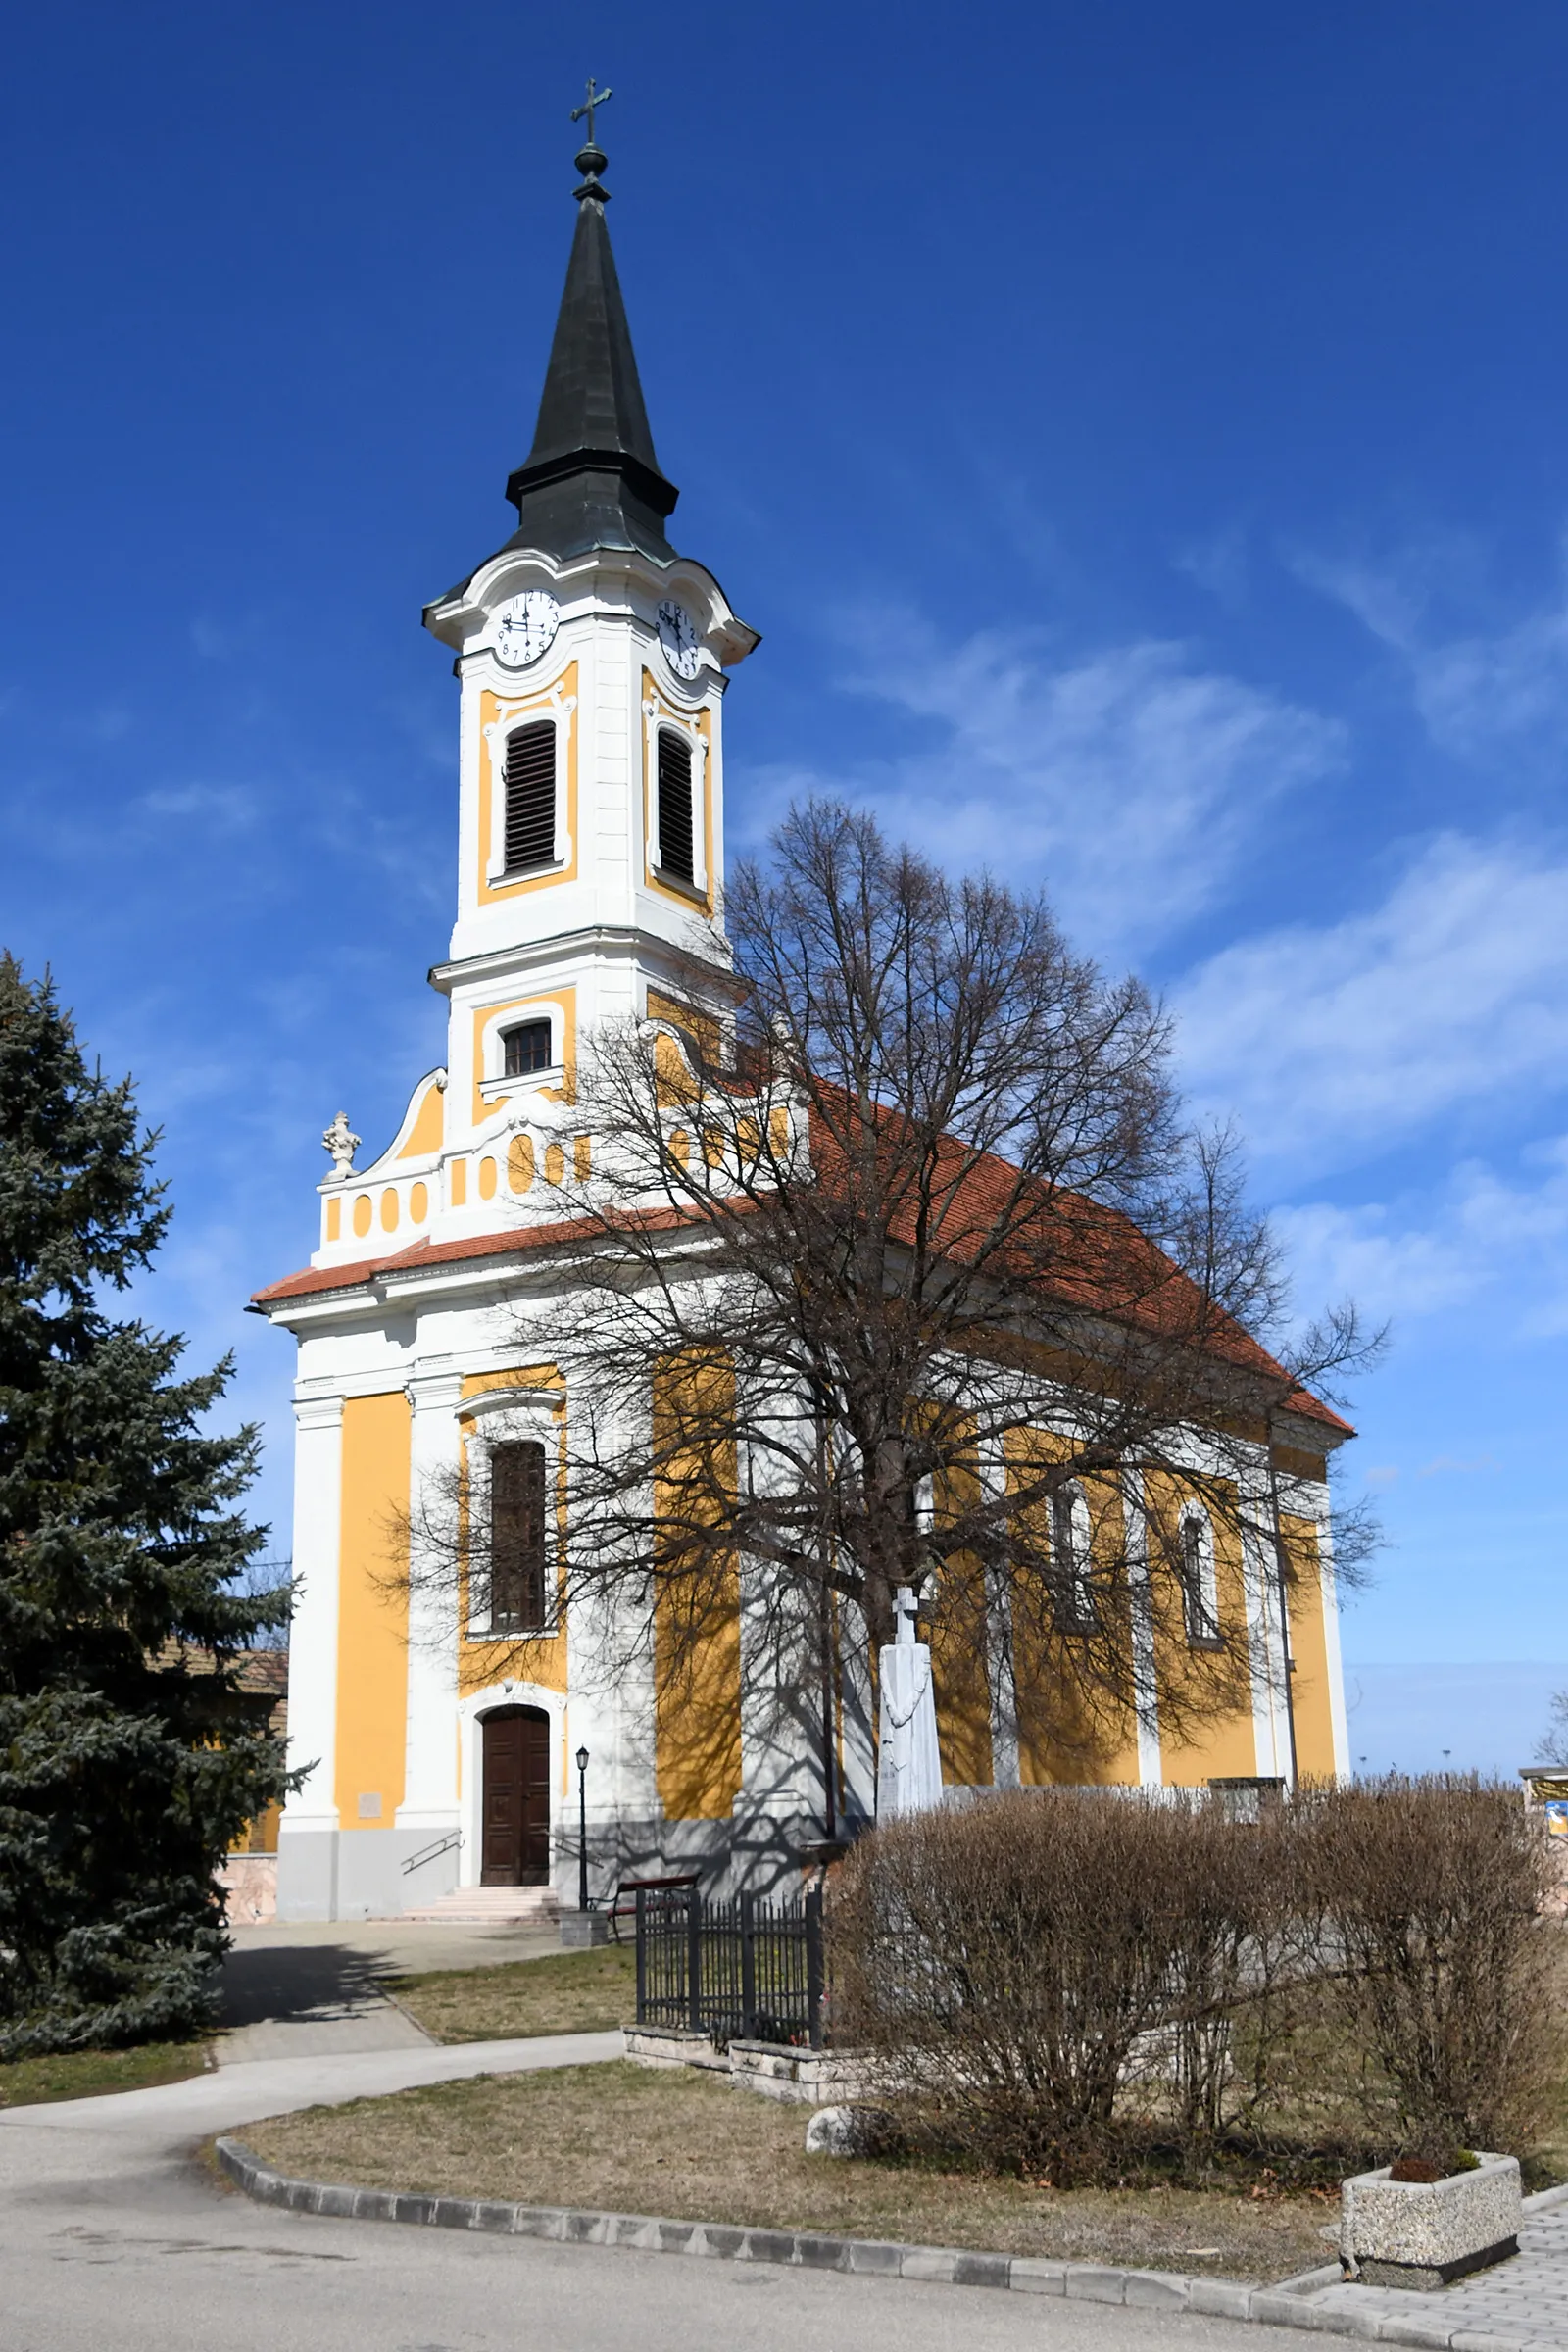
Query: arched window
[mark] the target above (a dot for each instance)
(525, 1048)
(516, 1545)
(530, 789)
(1074, 1595)
(677, 838)
(1199, 1585)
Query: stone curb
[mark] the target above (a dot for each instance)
(1288, 2304)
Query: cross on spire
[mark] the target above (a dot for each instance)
(593, 99)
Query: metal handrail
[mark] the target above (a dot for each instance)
(429, 1854)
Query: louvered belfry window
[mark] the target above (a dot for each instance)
(530, 795)
(516, 1538)
(675, 804)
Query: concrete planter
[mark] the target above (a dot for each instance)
(1423, 2233)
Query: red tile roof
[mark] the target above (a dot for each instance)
(315, 1279)
(1159, 1295)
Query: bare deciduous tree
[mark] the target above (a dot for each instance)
(899, 1267)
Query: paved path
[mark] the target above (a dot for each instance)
(114, 2233)
(173, 2115)
(1522, 2301)
(315, 1989)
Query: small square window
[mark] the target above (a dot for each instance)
(527, 1049)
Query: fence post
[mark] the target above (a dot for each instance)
(748, 1964)
(642, 1956)
(693, 1959)
(815, 1975)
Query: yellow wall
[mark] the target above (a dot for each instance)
(1062, 1737)
(424, 1133)
(542, 1660)
(960, 1682)
(1223, 1744)
(700, 1025)
(373, 1654)
(696, 1736)
(1310, 1683)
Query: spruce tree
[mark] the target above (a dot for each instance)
(131, 1758)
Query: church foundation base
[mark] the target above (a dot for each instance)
(359, 1874)
(363, 1874)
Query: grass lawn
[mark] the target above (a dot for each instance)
(566, 1992)
(84, 2073)
(689, 2149)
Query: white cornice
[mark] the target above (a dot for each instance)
(612, 943)
(602, 574)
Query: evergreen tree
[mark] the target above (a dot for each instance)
(129, 1756)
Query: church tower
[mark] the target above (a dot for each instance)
(592, 660)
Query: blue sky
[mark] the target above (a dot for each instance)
(1139, 432)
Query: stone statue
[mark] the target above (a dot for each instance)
(909, 1770)
(341, 1141)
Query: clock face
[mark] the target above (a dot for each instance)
(679, 637)
(525, 627)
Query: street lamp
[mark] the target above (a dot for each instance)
(582, 1829)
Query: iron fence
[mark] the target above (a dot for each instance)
(743, 1970)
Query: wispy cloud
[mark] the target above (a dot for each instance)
(1480, 1235)
(1128, 781)
(1475, 691)
(218, 807)
(1219, 563)
(214, 640)
(1330, 1042)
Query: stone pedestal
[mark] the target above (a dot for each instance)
(580, 1930)
(1423, 2233)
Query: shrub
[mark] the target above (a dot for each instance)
(1005, 1963)
(1438, 1956)
(1066, 1982)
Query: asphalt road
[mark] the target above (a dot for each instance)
(116, 2235)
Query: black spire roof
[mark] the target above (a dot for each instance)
(591, 478)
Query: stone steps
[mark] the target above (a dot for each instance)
(533, 1906)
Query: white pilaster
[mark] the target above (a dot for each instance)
(1265, 1644)
(1329, 1590)
(313, 1634)
(1000, 1682)
(1151, 1762)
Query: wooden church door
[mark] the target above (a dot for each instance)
(516, 1799)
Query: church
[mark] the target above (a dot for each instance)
(441, 1764)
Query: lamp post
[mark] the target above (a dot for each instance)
(582, 1829)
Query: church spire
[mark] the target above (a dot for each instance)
(591, 478)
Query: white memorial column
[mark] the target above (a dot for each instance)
(430, 1775)
(313, 1633)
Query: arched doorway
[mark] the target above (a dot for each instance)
(514, 1848)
